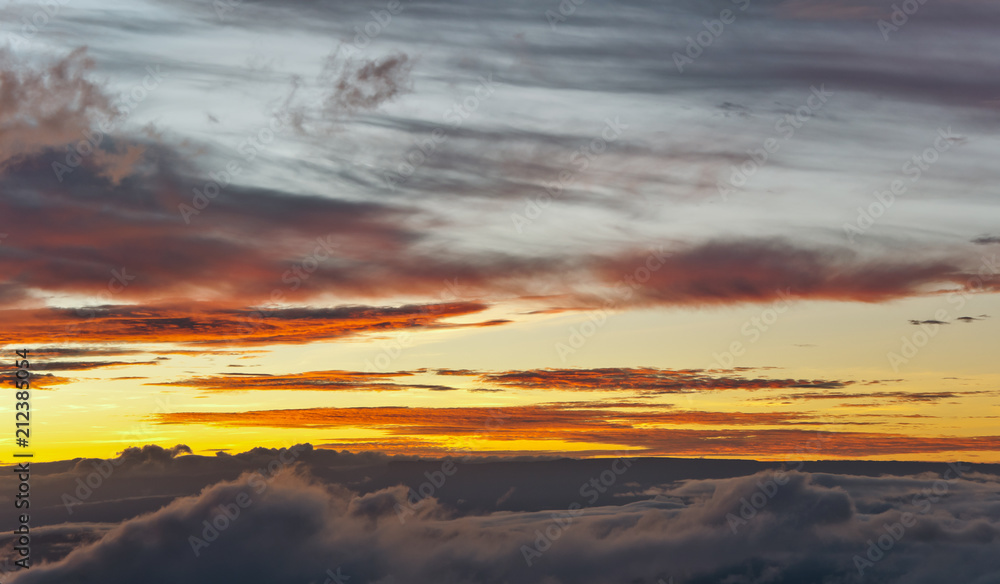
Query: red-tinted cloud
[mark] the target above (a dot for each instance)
(633, 430)
(646, 379)
(312, 380)
(47, 108)
(212, 325)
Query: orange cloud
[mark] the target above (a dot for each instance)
(312, 380)
(893, 396)
(212, 325)
(647, 379)
(599, 428)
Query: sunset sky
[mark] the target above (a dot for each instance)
(427, 227)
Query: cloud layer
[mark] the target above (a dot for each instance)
(766, 527)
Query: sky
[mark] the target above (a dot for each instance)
(733, 229)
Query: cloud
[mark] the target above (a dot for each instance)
(729, 272)
(297, 247)
(825, 11)
(642, 380)
(968, 319)
(362, 85)
(652, 433)
(138, 458)
(42, 110)
(84, 365)
(83, 351)
(242, 273)
(312, 380)
(650, 379)
(269, 245)
(800, 527)
(892, 396)
(66, 352)
(213, 325)
(110, 241)
(965, 319)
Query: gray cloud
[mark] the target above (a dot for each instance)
(772, 526)
(356, 86)
(49, 107)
